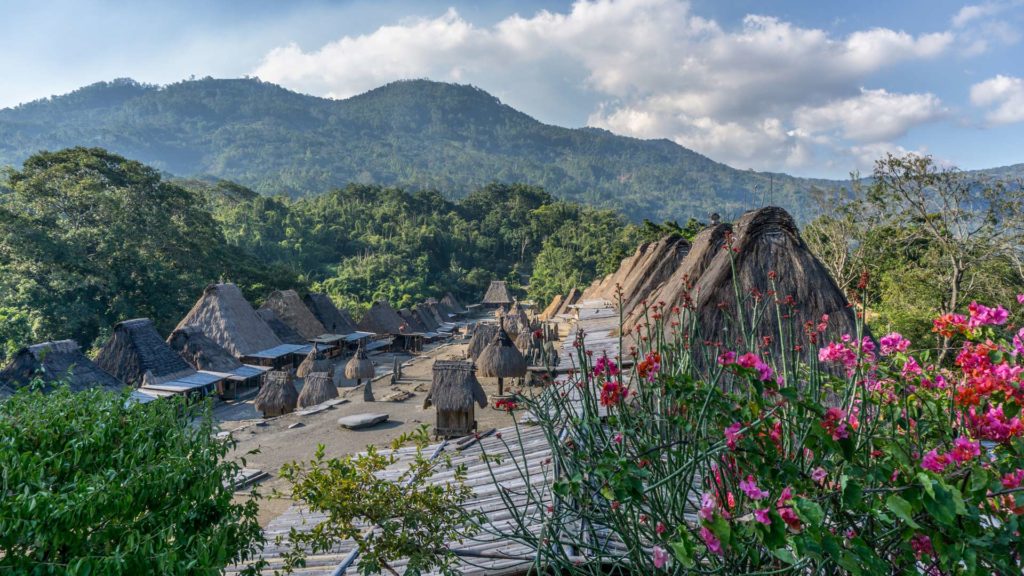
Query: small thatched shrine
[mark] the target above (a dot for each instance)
(317, 388)
(501, 359)
(334, 319)
(483, 334)
(137, 355)
(497, 295)
(277, 396)
(453, 392)
(516, 321)
(61, 361)
(224, 315)
(293, 311)
(360, 368)
(315, 361)
(283, 331)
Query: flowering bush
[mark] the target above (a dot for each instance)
(860, 457)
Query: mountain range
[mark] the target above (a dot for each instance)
(412, 134)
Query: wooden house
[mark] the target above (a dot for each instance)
(453, 393)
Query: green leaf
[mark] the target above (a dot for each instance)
(902, 509)
(785, 555)
(852, 494)
(810, 511)
(682, 549)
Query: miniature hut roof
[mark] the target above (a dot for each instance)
(315, 361)
(767, 240)
(676, 290)
(483, 334)
(136, 354)
(501, 358)
(224, 315)
(497, 293)
(336, 321)
(293, 312)
(317, 388)
(412, 320)
(455, 387)
(552, 308)
(359, 367)
(201, 352)
(425, 317)
(61, 360)
(381, 318)
(516, 321)
(640, 274)
(278, 393)
(524, 341)
(284, 332)
(453, 303)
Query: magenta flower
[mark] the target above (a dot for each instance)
(707, 507)
(732, 435)
(617, 439)
(748, 360)
(1020, 298)
(1012, 480)
(726, 358)
(964, 450)
(935, 462)
(711, 541)
(911, 368)
(761, 515)
(985, 316)
(818, 475)
(659, 556)
(749, 487)
(921, 545)
(894, 342)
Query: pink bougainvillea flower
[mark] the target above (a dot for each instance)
(605, 366)
(749, 487)
(617, 438)
(659, 556)
(949, 325)
(748, 360)
(835, 423)
(1013, 480)
(732, 435)
(935, 462)
(985, 316)
(659, 529)
(921, 545)
(911, 368)
(786, 510)
(1020, 298)
(727, 357)
(711, 541)
(818, 475)
(707, 507)
(893, 342)
(964, 450)
(762, 516)
(612, 393)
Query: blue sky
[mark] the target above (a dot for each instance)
(808, 88)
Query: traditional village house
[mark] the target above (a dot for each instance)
(453, 392)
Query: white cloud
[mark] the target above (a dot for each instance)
(1003, 96)
(765, 93)
(980, 26)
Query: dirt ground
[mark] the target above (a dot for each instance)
(269, 444)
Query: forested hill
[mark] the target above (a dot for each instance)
(416, 134)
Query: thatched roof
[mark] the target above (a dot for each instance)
(284, 332)
(453, 304)
(335, 320)
(315, 361)
(317, 388)
(359, 367)
(200, 352)
(427, 319)
(56, 361)
(293, 312)
(436, 313)
(278, 393)
(381, 318)
(525, 341)
(767, 240)
(516, 321)
(552, 308)
(571, 298)
(501, 359)
(677, 288)
(638, 275)
(223, 314)
(483, 334)
(497, 294)
(412, 320)
(137, 355)
(455, 386)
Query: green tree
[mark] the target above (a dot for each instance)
(95, 484)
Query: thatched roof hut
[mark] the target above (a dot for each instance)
(317, 388)
(455, 386)
(516, 321)
(439, 315)
(359, 367)
(426, 319)
(483, 334)
(552, 308)
(497, 294)
(676, 290)
(381, 318)
(640, 274)
(224, 315)
(501, 359)
(412, 320)
(334, 319)
(137, 355)
(767, 240)
(51, 362)
(453, 304)
(315, 361)
(292, 311)
(284, 332)
(277, 396)
(200, 352)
